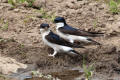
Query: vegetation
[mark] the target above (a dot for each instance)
(38, 74)
(15, 2)
(3, 77)
(51, 17)
(114, 6)
(95, 23)
(5, 26)
(88, 71)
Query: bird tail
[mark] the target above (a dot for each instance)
(94, 42)
(77, 46)
(74, 52)
(95, 34)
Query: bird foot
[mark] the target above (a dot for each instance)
(51, 55)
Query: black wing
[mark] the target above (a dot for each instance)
(72, 31)
(53, 38)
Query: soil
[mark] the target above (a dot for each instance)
(20, 39)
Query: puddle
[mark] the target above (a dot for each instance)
(23, 73)
(72, 74)
(67, 75)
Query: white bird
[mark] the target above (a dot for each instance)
(71, 34)
(54, 41)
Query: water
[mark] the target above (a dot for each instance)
(72, 74)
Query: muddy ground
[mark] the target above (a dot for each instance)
(21, 41)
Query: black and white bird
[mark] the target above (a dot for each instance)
(54, 41)
(71, 34)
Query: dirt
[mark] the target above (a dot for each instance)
(20, 39)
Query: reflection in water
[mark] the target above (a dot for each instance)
(67, 74)
(63, 75)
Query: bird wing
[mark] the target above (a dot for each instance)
(78, 32)
(54, 38)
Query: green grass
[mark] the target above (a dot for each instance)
(5, 26)
(1, 20)
(88, 71)
(45, 15)
(30, 2)
(27, 19)
(3, 77)
(15, 2)
(113, 5)
(12, 2)
(1, 40)
(95, 24)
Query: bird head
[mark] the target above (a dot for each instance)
(59, 21)
(44, 27)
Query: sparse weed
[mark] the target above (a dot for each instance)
(51, 17)
(118, 1)
(3, 77)
(1, 20)
(88, 71)
(22, 45)
(2, 40)
(15, 2)
(95, 24)
(26, 20)
(38, 74)
(5, 27)
(12, 2)
(114, 6)
(30, 2)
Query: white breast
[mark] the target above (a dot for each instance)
(55, 46)
(60, 24)
(65, 36)
(71, 37)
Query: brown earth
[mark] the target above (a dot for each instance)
(20, 39)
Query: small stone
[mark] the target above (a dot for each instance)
(16, 10)
(111, 19)
(69, 5)
(24, 11)
(64, 13)
(39, 3)
(4, 1)
(1, 7)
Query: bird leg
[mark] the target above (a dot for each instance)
(53, 55)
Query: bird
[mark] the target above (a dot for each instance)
(56, 42)
(73, 34)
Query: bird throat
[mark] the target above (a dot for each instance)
(59, 25)
(45, 32)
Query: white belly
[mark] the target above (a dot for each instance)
(57, 47)
(65, 36)
(71, 37)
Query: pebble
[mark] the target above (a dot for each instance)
(16, 10)
(4, 1)
(39, 3)
(111, 19)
